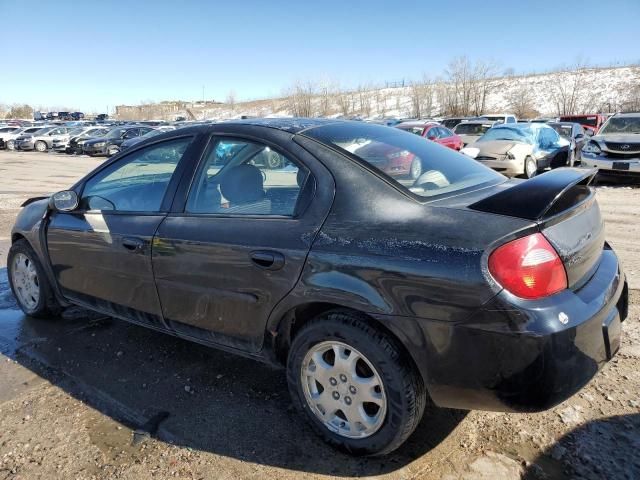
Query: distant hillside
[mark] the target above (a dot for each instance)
(577, 91)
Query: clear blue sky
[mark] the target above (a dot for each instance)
(91, 54)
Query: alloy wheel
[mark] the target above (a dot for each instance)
(530, 167)
(24, 278)
(416, 169)
(41, 146)
(343, 389)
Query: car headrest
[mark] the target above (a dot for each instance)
(242, 184)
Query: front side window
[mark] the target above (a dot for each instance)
(240, 177)
(136, 183)
(394, 152)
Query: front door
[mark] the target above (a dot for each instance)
(101, 253)
(239, 245)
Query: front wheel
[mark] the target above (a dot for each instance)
(112, 150)
(11, 145)
(354, 384)
(29, 282)
(530, 167)
(40, 146)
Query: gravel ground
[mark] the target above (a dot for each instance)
(85, 397)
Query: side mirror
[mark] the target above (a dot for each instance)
(64, 201)
(579, 136)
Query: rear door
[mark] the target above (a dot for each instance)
(101, 252)
(237, 244)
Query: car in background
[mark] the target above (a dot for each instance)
(451, 122)
(76, 143)
(77, 115)
(110, 144)
(63, 143)
(472, 130)
(9, 139)
(42, 140)
(591, 123)
(102, 117)
(130, 142)
(433, 131)
(380, 297)
(574, 133)
(500, 117)
(520, 149)
(7, 130)
(615, 149)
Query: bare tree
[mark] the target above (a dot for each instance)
(299, 99)
(522, 102)
(20, 111)
(572, 91)
(364, 101)
(231, 99)
(344, 103)
(421, 98)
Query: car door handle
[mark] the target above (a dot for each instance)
(133, 244)
(267, 259)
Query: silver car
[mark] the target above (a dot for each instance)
(42, 140)
(615, 150)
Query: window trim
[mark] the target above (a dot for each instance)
(167, 199)
(298, 210)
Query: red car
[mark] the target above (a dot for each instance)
(591, 123)
(435, 132)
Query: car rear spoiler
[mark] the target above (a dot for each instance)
(542, 196)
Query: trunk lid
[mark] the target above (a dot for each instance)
(563, 205)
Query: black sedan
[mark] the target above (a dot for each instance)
(376, 293)
(110, 144)
(574, 133)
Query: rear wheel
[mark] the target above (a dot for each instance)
(530, 167)
(40, 146)
(11, 145)
(354, 384)
(416, 168)
(29, 282)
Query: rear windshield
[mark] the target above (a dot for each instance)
(423, 167)
(590, 120)
(472, 128)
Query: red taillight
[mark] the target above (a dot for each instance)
(528, 267)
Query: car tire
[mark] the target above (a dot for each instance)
(11, 145)
(274, 161)
(415, 170)
(40, 146)
(29, 282)
(396, 388)
(112, 150)
(530, 167)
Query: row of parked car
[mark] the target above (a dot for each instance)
(527, 147)
(93, 140)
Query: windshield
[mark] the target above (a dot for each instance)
(76, 131)
(41, 131)
(115, 133)
(508, 133)
(622, 125)
(472, 128)
(563, 130)
(590, 120)
(422, 167)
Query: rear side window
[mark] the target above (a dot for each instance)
(422, 167)
(241, 177)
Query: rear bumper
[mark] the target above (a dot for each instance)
(524, 356)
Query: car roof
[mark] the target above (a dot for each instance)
(628, 114)
(564, 124)
(417, 123)
(481, 122)
(292, 125)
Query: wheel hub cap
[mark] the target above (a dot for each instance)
(25, 281)
(343, 389)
